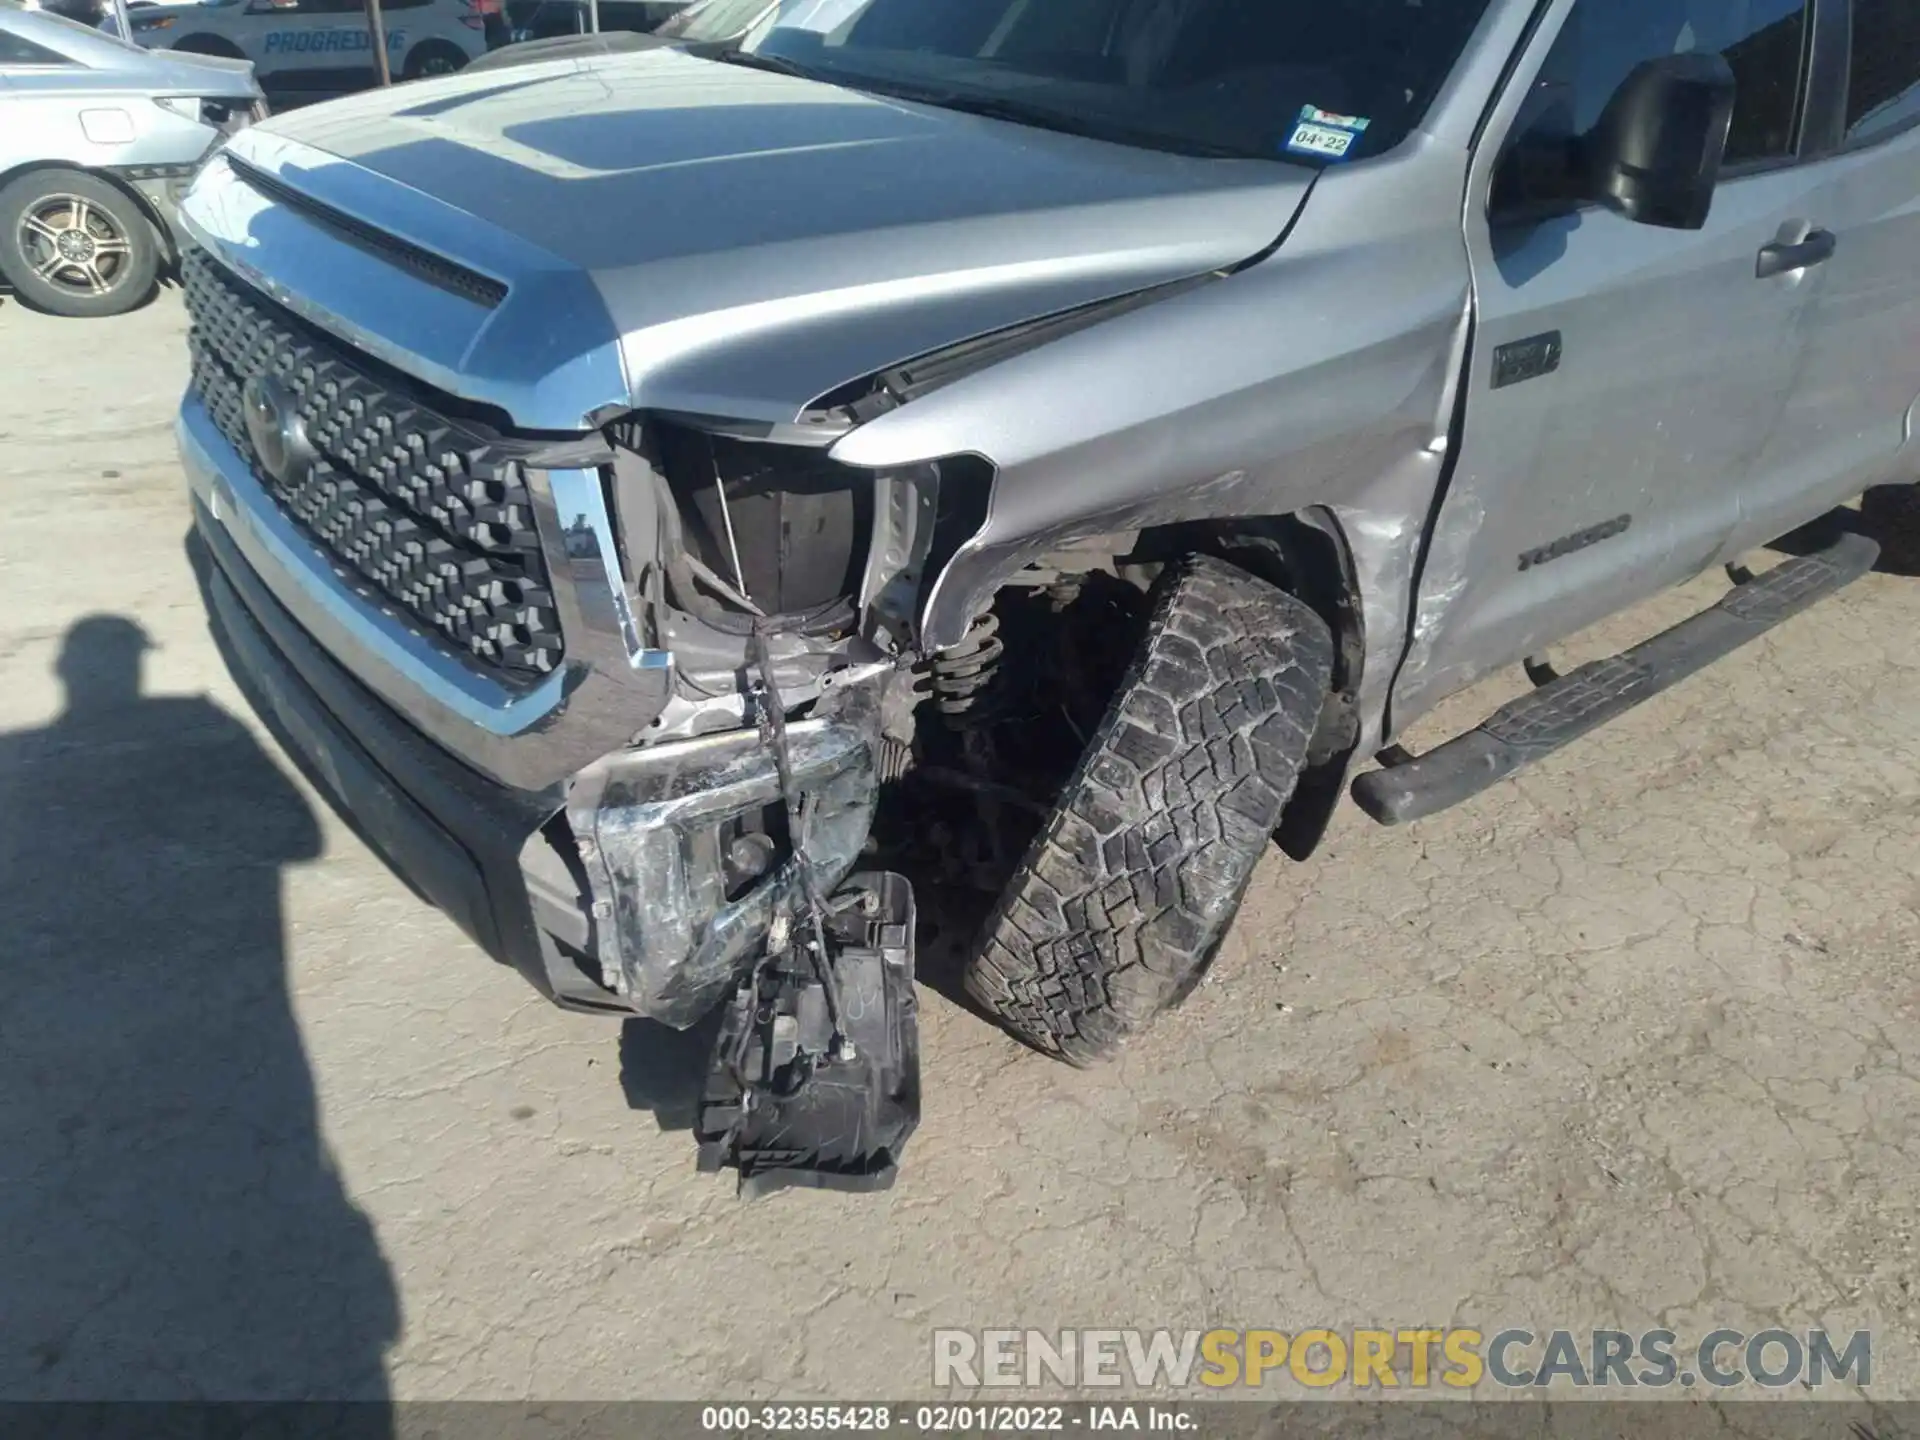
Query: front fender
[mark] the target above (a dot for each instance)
(1323, 376)
(1366, 301)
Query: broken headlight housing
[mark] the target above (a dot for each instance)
(750, 526)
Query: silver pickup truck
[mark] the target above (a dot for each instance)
(675, 502)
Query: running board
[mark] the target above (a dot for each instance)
(1561, 711)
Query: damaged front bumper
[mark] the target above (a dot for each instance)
(643, 879)
(600, 871)
(795, 1094)
(645, 886)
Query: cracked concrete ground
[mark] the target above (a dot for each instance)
(1634, 1041)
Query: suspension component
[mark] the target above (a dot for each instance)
(1065, 590)
(891, 759)
(963, 674)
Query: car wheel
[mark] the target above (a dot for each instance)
(1121, 902)
(434, 57)
(72, 244)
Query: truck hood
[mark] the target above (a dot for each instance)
(739, 242)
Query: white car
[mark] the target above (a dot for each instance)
(320, 45)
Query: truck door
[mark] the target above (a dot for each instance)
(1624, 377)
(1851, 418)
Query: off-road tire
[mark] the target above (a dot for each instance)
(1120, 903)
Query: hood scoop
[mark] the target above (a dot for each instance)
(436, 270)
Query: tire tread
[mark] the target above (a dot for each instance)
(1129, 887)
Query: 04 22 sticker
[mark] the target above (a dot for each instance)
(1324, 133)
(1327, 141)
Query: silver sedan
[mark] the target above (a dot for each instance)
(97, 139)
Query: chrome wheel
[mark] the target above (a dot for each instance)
(73, 244)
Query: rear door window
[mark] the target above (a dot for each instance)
(1883, 87)
(16, 51)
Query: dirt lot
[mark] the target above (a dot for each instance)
(1633, 1041)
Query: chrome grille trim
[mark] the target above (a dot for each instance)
(428, 511)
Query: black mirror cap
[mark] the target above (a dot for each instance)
(1656, 152)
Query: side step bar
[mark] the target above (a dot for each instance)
(1561, 711)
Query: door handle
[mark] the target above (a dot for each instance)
(1778, 259)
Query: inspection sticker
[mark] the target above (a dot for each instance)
(1312, 116)
(1326, 134)
(1327, 141)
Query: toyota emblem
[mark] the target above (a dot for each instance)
(279, 435)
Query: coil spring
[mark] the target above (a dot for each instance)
(892, 759)
(963, 674)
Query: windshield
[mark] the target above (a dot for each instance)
(708, 20)
(1318, 81)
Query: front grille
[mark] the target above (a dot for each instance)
(419, 511)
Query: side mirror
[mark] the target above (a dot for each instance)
(1656, 151)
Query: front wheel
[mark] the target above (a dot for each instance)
(1122, 900)
(72, 244)
(434, 57)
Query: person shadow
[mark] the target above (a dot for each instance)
(173, 1225)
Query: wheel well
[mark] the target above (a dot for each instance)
(433, 45)
(1305, 554)
(163, 237)
(208, 45)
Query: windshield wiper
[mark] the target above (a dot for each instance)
(777, 64)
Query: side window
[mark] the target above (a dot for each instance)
(1883, 91)
(1765, 41)
(16, 51)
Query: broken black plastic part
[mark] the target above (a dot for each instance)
(1572, 705)
(787, 1105)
